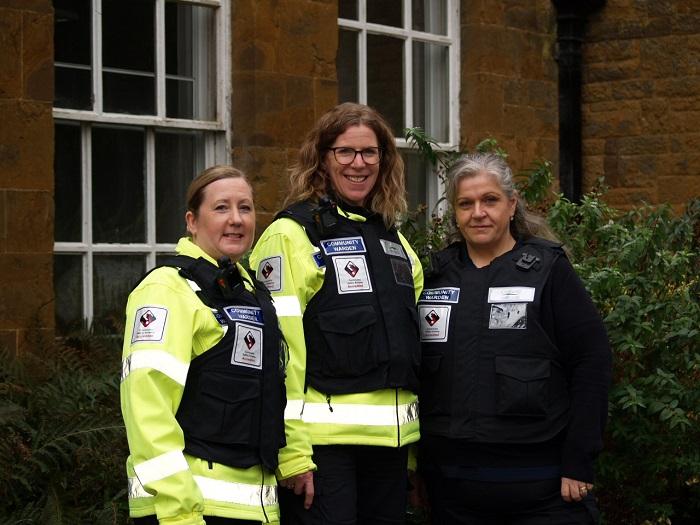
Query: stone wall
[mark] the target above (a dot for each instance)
(641, 97)
(283, 80)
(509, 77)
(26, 171)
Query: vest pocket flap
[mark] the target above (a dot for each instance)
(347, 320)
(523, 368)
(232, 389)
(431, 363)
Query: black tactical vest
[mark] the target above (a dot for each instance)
(490, 373)
(232, 408)
(361, 328)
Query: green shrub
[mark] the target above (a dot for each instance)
(63, 444)
(642, 269)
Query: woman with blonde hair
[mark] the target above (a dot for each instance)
(344, 282)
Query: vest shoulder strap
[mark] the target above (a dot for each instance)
(303, 213)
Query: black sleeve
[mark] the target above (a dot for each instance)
(573, 322)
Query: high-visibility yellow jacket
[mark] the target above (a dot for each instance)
(387, 417)
(164, 481)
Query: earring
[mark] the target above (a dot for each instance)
(511, 218)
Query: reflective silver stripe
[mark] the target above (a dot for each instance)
(136, 490)
(218, 490)
(195, 287)
(287, 306)
(161, 467)
(158, 360)
(240, 493)
(371, 415)
(294, 409)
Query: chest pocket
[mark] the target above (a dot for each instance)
(346, 348)
(522, 386)
(227, 410)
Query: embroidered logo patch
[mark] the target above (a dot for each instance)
(270, 273)
(351, 273)
(432, 317)
(247, 346)
(149, 324)
(343, 245)
(434, 322)
(351, 268)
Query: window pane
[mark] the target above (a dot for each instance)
(72, 48)
(113, 279)
(385, 12)
(385, 90)
(347, 9)
(430, 16)
(431, 89)
(179, 157)
(118, 185)
(190, 69)
(68, 285)
(346, 66)
(68, 181)
(128, 56)
(417, 170)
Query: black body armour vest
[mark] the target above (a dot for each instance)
(490, 373)
(232, 408)
(361, 327)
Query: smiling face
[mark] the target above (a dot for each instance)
(224, 224)
(353, 182)
(483, 213)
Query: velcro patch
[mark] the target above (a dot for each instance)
(270, 273)
(434, 322)
(247, 346)
(149, 324)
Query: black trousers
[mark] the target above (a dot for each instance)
(354, 484)
(455, 501)
(210, 520)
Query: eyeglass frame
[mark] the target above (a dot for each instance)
(379, 154)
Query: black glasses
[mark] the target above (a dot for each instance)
(344, 155)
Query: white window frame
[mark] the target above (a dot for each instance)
(216, 151)
(363, 28)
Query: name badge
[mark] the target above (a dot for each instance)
(511, 294)
(440, 295)
(343, 245)
(392, 248)
(244, 313)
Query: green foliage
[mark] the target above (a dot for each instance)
(642, 269)
(63, 445)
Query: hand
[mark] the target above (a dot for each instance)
(301, 484)
(573, 490)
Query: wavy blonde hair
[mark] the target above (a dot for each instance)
(309, 180)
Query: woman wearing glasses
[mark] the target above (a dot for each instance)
(345, 283)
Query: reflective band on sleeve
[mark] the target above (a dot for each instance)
(158, 360)
(230, 492)
(287, 306)
(136, 490)
(161, 467)
(370, 415)
(294, 409)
